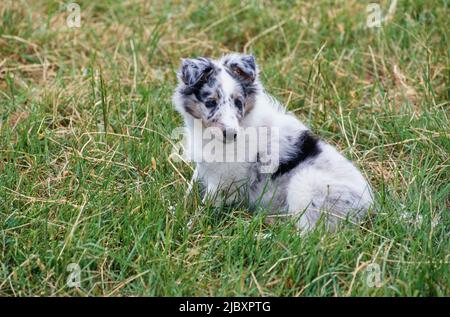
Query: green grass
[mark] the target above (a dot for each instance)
(113, 202)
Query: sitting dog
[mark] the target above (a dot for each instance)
(293, 172)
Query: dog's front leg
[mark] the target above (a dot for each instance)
(219, 196)
(212, 195)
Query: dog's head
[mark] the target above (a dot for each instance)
(218, 92)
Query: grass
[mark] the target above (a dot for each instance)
(85, 117)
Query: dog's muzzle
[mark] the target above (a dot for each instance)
(229, 135)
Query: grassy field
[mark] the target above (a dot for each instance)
(85, 124)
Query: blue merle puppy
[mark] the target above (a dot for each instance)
(310, 178)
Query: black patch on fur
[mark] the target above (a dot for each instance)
(306, 147)
(186, 91)
(212, 112)
(250, 89)
(195, 73)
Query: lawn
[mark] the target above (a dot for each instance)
(91, 203)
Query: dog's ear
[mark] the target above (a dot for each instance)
(195, 71)
(243, 67)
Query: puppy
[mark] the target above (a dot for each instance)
(292, 172)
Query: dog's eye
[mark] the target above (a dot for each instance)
(238, 103)
(210, 103)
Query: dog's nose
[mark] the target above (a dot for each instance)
(229, 135)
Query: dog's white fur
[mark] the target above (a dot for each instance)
(326, 185)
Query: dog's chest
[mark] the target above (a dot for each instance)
(224, 174)
(260, 189)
